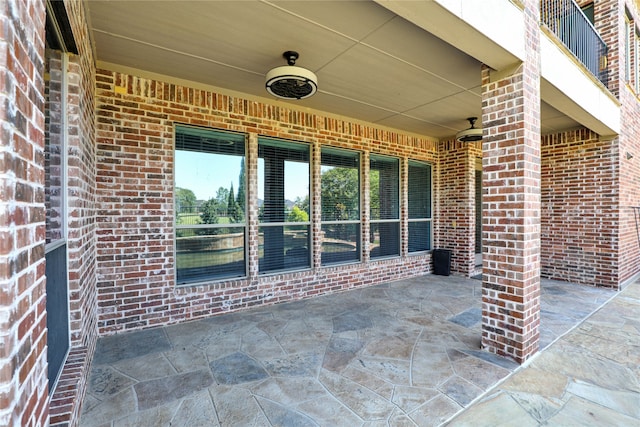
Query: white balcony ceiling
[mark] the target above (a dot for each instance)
(372, 65)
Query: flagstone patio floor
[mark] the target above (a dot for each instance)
(404, 353)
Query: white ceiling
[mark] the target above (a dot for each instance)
(371, 65)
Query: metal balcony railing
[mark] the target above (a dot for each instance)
(567, 21)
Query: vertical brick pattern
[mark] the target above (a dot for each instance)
(316, 208)
(511, 163)
(135, 119)
(67, 397)
(23, 364)
(456, 203)
(366, 206)
(253, 220)
(404, 207)
(82, 182)
(579, 208)
(81, 202)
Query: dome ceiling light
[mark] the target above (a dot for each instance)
(291, 82)
(470, 135)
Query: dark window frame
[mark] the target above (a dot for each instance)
(417, 219)
(274, 228)
(218, 142)
(387, 224)
(339, 157)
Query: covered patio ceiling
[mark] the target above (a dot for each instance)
(372, 65)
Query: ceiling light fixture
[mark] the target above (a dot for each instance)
(291, 82)
(470, 135)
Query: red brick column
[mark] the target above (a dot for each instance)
(316, 209)
(511, 167)
(456, 204)
(23, 337)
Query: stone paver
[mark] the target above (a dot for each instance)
(589, 377)
(405, 353)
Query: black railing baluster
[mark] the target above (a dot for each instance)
(567, 21)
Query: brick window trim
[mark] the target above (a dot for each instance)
(66, 399)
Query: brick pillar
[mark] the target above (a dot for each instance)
(511, 232)
(456, 211)
(404, 206)
(366, 206)
(252, 211)
(315, 191)
(23, 337)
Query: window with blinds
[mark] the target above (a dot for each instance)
(210, 204)
(419, 189)
(340, 202)
(636, 62)
(628, 48)
(283, 199)
(384, 195)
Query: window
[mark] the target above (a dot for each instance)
(209, 204)
(340, 200)
(384, 179)
(636, 60)
(283, 193)
(419, 206)
(589, 12)
(56, 130)
(627, 48)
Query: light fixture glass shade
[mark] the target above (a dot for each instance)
(470, 135)
(291, 82)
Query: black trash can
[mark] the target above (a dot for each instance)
(441, 262)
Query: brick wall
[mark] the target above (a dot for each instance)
(67, 397)
(629, 177)
(579, 208)
(135, 118)
(589, 233)
(81, 182)
(610, 23)
(599, 176)
(456, 203)
(629, 168)
(23, 365)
